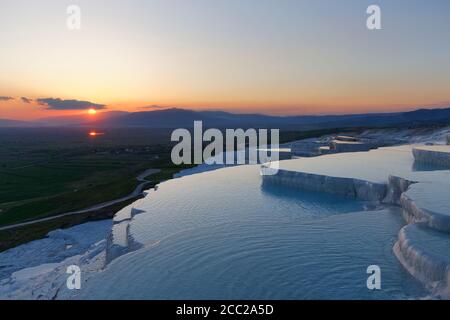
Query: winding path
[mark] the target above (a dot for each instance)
(137, 191)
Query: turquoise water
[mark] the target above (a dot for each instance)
(224, 235)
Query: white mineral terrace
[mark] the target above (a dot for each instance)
(434, 155)
(350, 146)
(391, 176)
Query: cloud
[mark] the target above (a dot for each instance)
(59, 104)
(26, 100)
(3, 98)
(154, 106)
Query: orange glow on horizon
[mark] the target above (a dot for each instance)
(18, 110)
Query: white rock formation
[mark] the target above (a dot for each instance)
(348, 187)
(37, 270)
(349, 146)
(424, 253)
(119, 241)
(395, 188)
(347, 138)
(434, 155)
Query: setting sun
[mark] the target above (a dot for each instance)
(95, 133)
(92, 111)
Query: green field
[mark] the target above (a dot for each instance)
(47, 174)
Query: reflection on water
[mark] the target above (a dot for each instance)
(319, 259)
(317, 203)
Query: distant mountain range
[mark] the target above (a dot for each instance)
(6, 123)
(80, 120)
(181, 118)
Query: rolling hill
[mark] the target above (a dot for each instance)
(182, 118)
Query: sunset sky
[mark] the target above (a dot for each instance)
(267, 56)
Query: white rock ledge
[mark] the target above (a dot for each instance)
(423, 246)
(422, 252)
(413, 212)
(348, 187)
(434, 155)
(396, 187)
(119, 241)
